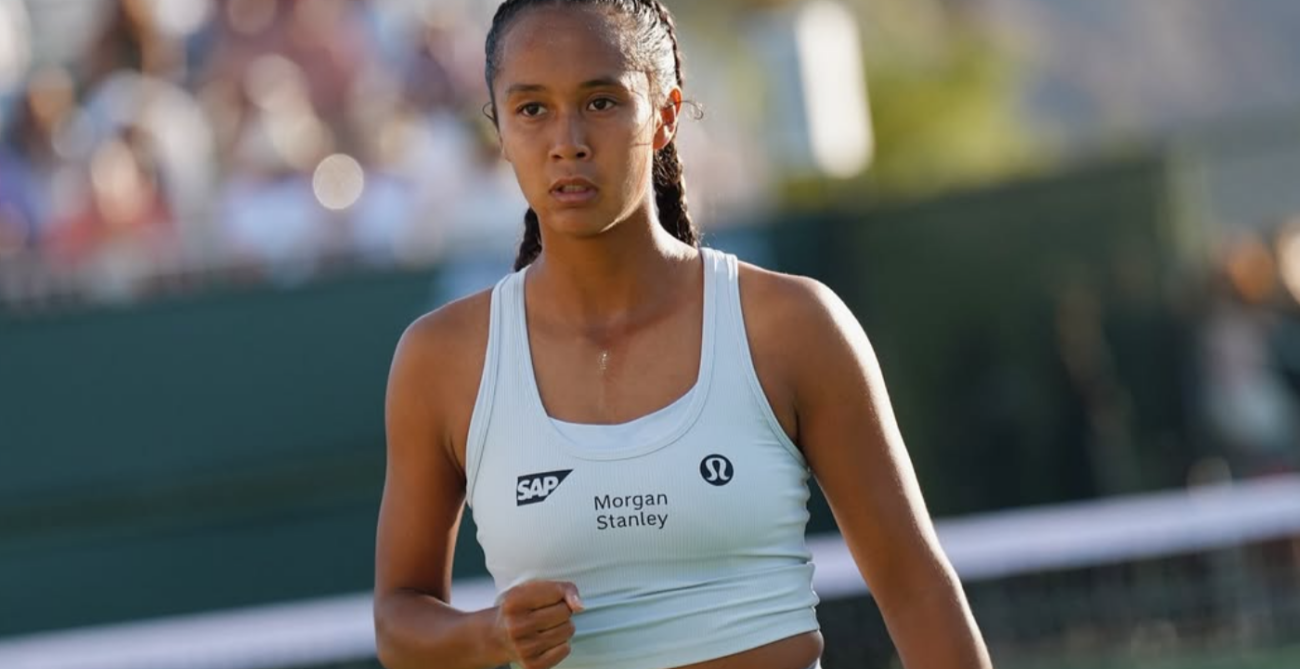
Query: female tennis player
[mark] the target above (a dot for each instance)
(633, 419)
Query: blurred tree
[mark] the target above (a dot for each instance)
(944, 104)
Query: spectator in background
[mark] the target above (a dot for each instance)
(309, 89)
(1245, 399)
(453, 161)
(326, 39)
(269, 219)
(482, 219)
(133, 75)
(216, 119)
(29, 162)
(1098, 401)
(123, 229)
(15, 50)
(169, 126)
(131, 40)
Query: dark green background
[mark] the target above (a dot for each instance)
(226, 448)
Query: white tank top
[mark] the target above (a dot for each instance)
(685, 537)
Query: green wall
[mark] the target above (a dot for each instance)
(205, 452)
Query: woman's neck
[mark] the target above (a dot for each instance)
(613, 280)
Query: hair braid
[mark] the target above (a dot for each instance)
(531, 246)
(666, 19)
(669, 177)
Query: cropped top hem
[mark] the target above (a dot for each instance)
(701, 648)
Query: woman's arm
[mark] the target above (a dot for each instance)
(847, 431)
(424, 490)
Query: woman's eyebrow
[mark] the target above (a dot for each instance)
(600, 82)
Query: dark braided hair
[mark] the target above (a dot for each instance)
(655, 40)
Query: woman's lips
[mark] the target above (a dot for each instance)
(574, 194)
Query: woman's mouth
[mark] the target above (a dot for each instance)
(574, 194)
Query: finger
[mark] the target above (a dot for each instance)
(571, 596)
(548, 617)
(546, 640)
(532, 595)
(555, 591)
(558, 634)
(548, 658)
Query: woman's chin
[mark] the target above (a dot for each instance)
(579, 224)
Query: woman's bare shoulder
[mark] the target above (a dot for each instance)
(456, 328)
(786, 307)
(788, 320)
(438, 364)
(798, 327)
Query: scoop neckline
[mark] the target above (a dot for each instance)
(699, 389)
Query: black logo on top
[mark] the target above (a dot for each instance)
(534, 488)
(716, 469)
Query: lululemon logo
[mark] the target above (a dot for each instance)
(716, 469)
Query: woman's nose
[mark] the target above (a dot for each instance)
(571, 140)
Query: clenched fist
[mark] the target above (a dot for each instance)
(533, 622)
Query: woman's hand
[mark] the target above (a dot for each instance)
(533, 623)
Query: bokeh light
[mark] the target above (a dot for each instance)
(179, 18)
(1288, 255)
(338, 182)
(15, 52)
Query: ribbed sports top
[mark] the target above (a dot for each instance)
(686, 543)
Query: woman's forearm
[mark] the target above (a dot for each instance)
(414, 631)
(933, 628)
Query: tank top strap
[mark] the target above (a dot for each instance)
(499, 327)
(735, 359)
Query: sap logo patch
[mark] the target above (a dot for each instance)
(534, 488)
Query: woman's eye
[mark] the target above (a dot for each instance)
(603, 104)
(529, 110)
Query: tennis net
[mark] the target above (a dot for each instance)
(1205, 578)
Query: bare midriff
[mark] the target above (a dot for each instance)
(796, 652)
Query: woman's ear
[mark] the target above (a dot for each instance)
(501, 147)
(668, 115)
(490, 111)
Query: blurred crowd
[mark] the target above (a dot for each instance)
(1250, 353)
(168, 142)
(268, 139)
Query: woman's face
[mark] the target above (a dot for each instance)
(576, 122)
